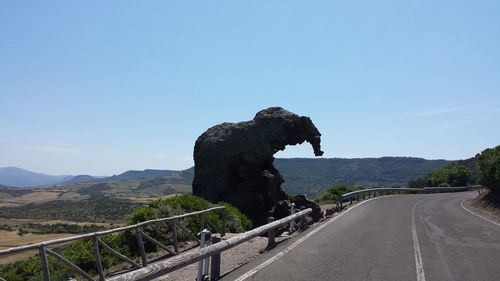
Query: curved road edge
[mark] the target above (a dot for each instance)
(476, 214)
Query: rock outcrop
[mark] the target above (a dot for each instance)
(234, 161)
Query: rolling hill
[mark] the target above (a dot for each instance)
(302, 175)
(311, 176)
(132, 174)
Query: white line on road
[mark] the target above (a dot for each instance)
(463, 207)
(298, 242)
(416, 247)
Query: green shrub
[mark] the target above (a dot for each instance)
(451, 175)
(187, 203)
(235, 220)
(329, 196)
(141, 214)
(489, 168)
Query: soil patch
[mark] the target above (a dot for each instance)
(487, 205)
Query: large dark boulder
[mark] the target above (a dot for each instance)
(301, 201)
(234, 161)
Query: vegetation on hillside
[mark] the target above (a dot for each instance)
(312, 176)
(95, 190)
(96, 210)
(38, 228)
(489, 168)
(451, 175)
(186, 203)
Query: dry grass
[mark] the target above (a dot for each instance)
(32, 197)
(149, 199)
(487, 205)
(15, 222)
(11, 239)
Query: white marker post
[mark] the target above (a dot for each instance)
(205, 240)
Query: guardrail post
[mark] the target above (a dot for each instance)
(215, 262)
(174, 235)
(98, 261)
(45, 263)
(271, 234)
(138, 237)
(205, 240)
(292, 223)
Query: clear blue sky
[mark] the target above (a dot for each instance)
(100, 87)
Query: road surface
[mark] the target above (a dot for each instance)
(400, 237)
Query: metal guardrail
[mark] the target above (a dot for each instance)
(358, 194)
(98, 243)
(161, 268)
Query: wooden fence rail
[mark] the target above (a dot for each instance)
(160, 268)
(98, 243)
(380, 191)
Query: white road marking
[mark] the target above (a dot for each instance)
(296, 243)
(463, 207)
(416, 247)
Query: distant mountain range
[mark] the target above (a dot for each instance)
(17, 177)
(302, 175)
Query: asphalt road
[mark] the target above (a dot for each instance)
(401, 237)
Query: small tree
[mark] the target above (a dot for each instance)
(489, 168)
(451, 175)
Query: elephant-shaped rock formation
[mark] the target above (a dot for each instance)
(234, 161)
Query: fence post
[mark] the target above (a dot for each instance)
(270, 235)
(45, 263)
(205, 240)
(138, 237)
(98, 258)
(292, 223)
(215, 262)
(174, 235)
